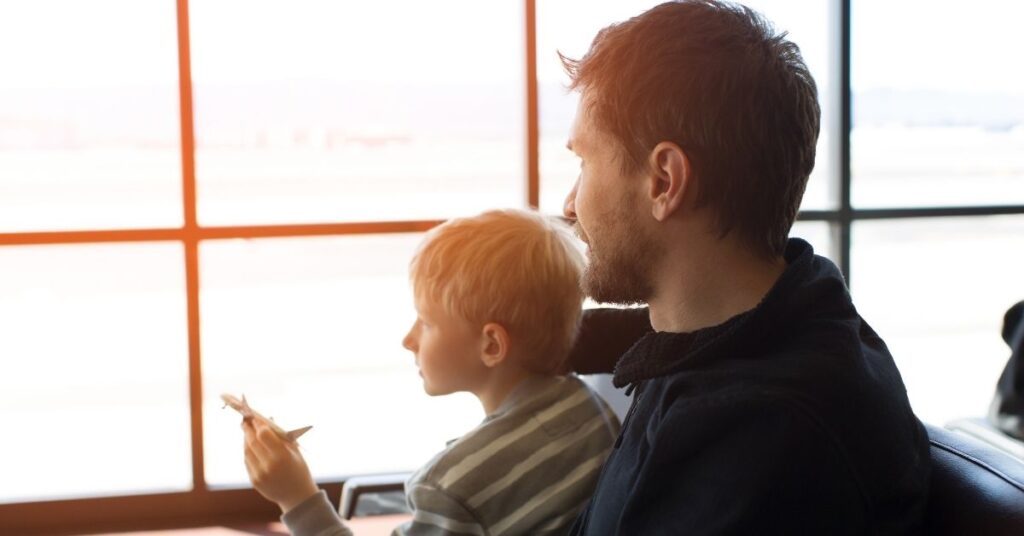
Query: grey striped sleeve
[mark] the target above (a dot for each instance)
(315, 517)
(436, 513)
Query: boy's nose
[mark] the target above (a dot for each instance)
(569, 207)
(408, 342)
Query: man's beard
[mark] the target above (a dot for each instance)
(622, 257)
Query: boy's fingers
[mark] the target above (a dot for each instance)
(255, 440)
(253, 467)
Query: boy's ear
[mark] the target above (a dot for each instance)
(671, 181)
(496, 344)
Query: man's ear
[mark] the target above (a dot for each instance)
(671, 180)
(496, 344)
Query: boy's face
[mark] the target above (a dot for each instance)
(447, 349)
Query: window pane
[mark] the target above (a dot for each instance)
(89, 122)
(936, 291)
(95, 359)
(310, 330)
(950, 129)
(317, 110)
(570, 26)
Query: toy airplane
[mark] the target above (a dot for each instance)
(242, 406)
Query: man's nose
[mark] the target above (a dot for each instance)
(569, 207)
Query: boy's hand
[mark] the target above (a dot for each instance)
(276, 468)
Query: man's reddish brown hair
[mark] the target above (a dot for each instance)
(715, 79)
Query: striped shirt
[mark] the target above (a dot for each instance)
(528, 468)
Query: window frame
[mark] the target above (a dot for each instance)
(204, 505)
(842, 218)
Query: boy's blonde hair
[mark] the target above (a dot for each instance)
(513, 267)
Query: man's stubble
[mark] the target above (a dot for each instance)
(622, 257)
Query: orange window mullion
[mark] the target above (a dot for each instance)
(191, 244)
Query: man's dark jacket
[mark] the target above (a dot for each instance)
(790, 418)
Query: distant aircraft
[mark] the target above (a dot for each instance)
(242, 406)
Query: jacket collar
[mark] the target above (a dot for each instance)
(809, 285)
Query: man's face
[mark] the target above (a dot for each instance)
(610, 215)
(447, 350)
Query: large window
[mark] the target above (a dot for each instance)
(938, 104)
(223, 196)
(937, 138)
(89, 124)
(95, 370)
(322, 111)
(214, 196)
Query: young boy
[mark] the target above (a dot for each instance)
(498, 302)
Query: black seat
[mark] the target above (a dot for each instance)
(975, 488)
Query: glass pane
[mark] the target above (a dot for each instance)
(936, 291)
(949, 130)
(318, 111)
(570, 26)
(89, 122)
(95, 359)
(310, 330)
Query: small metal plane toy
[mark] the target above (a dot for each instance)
(242, 406)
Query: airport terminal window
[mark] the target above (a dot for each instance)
(950, 129)
(162, 239)
(936, 289)
(92, 336)
(88, 127)
(94, 380)
(311, 328)
(938, 122)
(318, 110)
(292, 169)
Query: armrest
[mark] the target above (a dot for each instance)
(391, 485)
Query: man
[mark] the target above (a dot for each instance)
(763, 403)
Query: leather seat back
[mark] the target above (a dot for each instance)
(975, 488)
